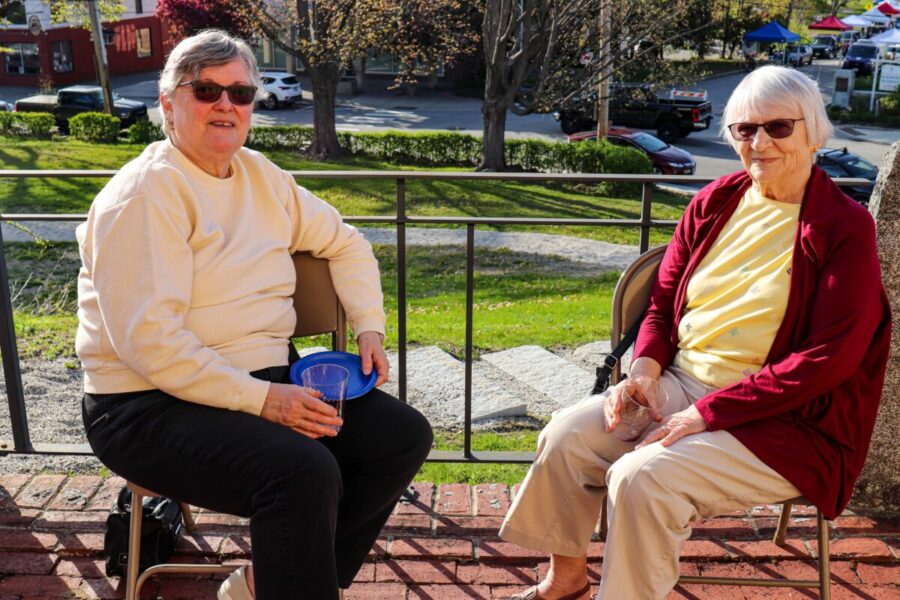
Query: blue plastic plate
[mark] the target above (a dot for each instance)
(359, 383)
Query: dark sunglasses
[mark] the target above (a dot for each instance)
(776, 129)
(208, 91)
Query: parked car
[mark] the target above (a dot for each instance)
(825, 46)
(861, 57)
(279, 88)
(843, 163)
(673, 114)
(799, 55)
(70, 101)
(666, 159)
(847, 38)
(6, 106)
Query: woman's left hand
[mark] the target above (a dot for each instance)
(675, 427)
(371, 350)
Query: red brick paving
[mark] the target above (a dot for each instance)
(442, 545)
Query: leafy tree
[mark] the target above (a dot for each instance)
(326, 35)
(426, 34)
(541, 54)
(187, 17)
(76, 13)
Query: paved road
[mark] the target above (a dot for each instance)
(381, 109)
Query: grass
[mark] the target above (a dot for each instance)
(350, 197)
(523, 440)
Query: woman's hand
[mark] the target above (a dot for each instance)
(635, 386)
(300, 409)
(677, 426)
(642, 367)
(371, 350)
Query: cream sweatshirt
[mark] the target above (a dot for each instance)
(186, 279)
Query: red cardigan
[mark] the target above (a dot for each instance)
(810, 411)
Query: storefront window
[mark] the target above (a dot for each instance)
(388, 64)
(62, 56)
(23, 59)
(12, 13)
(270, 56)
(144, 48)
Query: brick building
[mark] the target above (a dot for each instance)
(64, 52)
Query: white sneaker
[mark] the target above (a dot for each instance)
(235, 587)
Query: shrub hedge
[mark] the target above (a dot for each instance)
(35, 124)
(425, 148)
(144, 132)
(96, 127)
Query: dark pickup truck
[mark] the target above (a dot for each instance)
(71, 101)
(673, 114)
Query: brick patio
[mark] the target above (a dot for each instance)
(443, 546)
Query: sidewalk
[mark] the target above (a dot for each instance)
(442, 547)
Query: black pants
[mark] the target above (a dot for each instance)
(315, 506)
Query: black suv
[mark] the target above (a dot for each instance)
(825, 46)
(843, 163)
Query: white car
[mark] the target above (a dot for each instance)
(6, 106)
(279, 88)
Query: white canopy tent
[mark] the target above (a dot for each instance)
(876, 16)
(856, 21)
(891, 36)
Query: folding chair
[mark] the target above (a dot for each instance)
(318, 311)
(629, 301)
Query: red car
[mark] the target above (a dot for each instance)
(666, 159)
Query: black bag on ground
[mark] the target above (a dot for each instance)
(162, 523)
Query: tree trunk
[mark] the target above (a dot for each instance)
(359, 70)
(324, 81)
(494, 135)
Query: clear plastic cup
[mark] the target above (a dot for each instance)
(331, 381)
(635, 416)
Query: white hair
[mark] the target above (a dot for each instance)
(780, 87)
(208, 48)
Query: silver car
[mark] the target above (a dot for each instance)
(799, 55)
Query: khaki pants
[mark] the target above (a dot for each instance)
(653, 493)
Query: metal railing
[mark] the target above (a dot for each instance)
(22, 443)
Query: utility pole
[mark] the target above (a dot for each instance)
(100, 56)
(605, 71)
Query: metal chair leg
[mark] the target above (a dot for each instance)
(824, 557)
(189, 524)
(134, 545)
(781, 530)
(604, 525)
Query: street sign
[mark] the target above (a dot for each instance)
(890, 78)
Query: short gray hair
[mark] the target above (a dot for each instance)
(780, 86)
(208, 48)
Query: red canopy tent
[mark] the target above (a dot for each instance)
(831, 23)
(886, 8)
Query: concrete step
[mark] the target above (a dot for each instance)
(436, 386)
(555, 377)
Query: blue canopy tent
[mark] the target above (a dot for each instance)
(772, 33)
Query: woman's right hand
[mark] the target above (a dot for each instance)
(300, 409)
(641, 369)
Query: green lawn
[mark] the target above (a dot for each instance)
(351, 197)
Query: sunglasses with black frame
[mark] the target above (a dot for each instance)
(776, 129)
(210, 91)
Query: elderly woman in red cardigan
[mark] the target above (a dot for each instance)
(768, 331)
